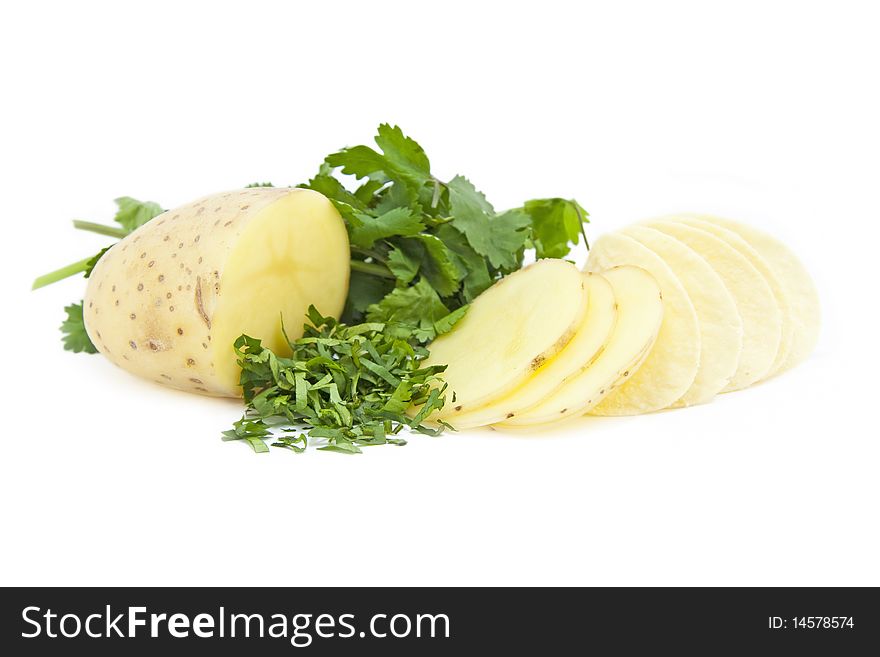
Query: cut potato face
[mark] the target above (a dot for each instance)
(720, 325)
(168, 301)
(508, 333)
(671, 366)
(804, 309)
(755, 303)
(586, 345)
(758, 262)
(639, 318)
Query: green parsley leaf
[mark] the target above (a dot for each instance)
(133, 214)
(399, 221)
(74, 333)
(416, 308)
(556, 223)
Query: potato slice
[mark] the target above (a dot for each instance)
(671, 367)
(584, 347)
(639, 318)
(168, 301)
(805, 311)
(755, 303)
(509, 331)
(763, 267)
(721, 328)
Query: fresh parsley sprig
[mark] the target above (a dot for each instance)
(422, 248)
(130, 215)
(345, 387)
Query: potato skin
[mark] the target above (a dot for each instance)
(151, 298)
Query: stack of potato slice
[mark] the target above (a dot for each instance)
(668, 313)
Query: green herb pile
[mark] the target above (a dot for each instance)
(346, 386)
(421, 250)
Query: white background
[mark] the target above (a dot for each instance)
(767, 112)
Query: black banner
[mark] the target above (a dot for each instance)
(432, 621)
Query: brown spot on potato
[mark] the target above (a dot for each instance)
(217, 223)
(200, 259)
(195, 380)
(161, 277)
(602, 391)
(563, 411)
(91, 303)
(537, 361)
(180, 288)
(151, 263)
(143, 255)
(173, 255)
(626, 373)
(179, 331)
(168, 295)
(190, 362)
(166, 238)
(113, 289)
(458, 408)
(153, 345)
(132, 344)
(509, 415)
(140, 287)
(180, 245)
(165, 376)
(245, 207)
(117, 303)
(204, 345)
(132, 316)
(227, 224)
(200, 389)
(171, 309)
(196, 239)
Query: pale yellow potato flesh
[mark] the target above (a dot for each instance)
(721, 330)
(586, 345)
(638, 321)
(804, 308)
(758, 262)
(509, 331)
(755, 303)
(671, 366)
(167, 302)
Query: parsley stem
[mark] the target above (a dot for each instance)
(373, 269)
(60, 274)
(101, 229)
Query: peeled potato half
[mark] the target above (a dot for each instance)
(638, 321)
